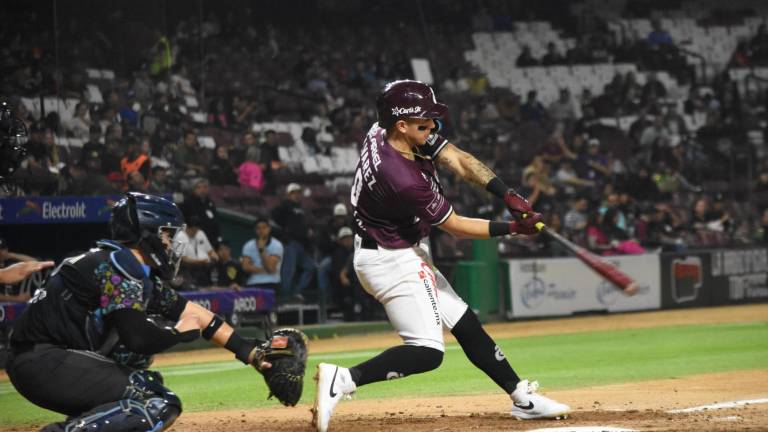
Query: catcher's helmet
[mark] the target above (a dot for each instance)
(13, 136)
(143, 220)
(407, 99)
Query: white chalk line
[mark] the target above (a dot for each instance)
(721, 405)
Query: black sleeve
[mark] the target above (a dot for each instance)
(166, 302)
(142, 336)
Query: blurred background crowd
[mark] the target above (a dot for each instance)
(633, 126)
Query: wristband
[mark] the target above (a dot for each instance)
(241, 347)
(497, 187)
(498, 228)
(212, 327)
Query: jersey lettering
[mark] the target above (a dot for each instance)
(40, 294)
(357, 187)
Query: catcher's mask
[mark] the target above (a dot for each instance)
(151, 223)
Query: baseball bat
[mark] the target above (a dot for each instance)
(605, 269)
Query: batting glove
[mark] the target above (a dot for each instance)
(525, 225)
(516, 204)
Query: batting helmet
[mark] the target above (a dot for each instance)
(13, 136)
(407, 99)
(144, 220)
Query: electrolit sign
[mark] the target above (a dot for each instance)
(686, 279)
(56, 210)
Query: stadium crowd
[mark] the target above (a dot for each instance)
(682, 175)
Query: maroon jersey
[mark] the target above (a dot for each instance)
(397, 200)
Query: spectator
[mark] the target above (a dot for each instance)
(82, 180)
(298, 267)
(270, 160)
(242, 111)
(570, 182)
(619, 240)
(136, 161)
(564, 109)
(653, 91)
(532, 109)
(198, 257)
(540, 168)
(663, 229)
(227, 272)
(93, 147)
(593, 165)
(129, 112)
(575, 221)
(545, 243)
(642, 187)
(326, 242)
(525, 58)
(189, 157)
(136, 182)
(262, 258)
(597, 239)
(552, 57)
(556, 149)
(309, 142)
(613, 202)
(222, 172)
(35, 176)
(199, 204)
(454, 83)
(217, 114)
(250, 174)
(159, 182)
(342, 287)
(80, 125)
(707, 224)
(579, 54)
(658, 36)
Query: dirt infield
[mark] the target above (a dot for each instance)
(638, 406)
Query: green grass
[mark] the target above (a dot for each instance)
(557, 362)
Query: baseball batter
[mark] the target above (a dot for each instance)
(397, 199)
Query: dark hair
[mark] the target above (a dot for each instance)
(260, 219)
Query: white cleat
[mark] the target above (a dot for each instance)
(527, 404)
(333, 383)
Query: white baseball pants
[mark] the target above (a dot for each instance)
(418, 299)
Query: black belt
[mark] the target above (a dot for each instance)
(368, 243)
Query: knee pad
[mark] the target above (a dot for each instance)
(147, 406)
(161, 404)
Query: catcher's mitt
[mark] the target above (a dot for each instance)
(287, 351)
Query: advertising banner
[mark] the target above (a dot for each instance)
(686, 280)
(56, 210)
(563, 286)
(714, 277)
(739, 275)
(220, 302)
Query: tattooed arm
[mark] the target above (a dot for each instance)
(465, 165)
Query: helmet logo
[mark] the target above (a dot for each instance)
(398, 111)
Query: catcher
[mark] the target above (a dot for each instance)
(82, 346)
